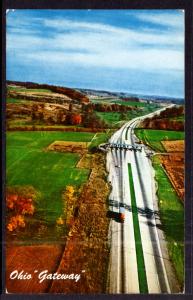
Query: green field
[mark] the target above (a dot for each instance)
(172, 217)
(20, 89)
(154, 137)
(111, 118)
(103, 100)
(136, 104)
(29, 163)
(15, 101)
(116, 119)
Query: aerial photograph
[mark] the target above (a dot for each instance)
(95, 151)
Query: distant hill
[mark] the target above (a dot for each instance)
(130, 96)
(69, 92)
(100, 93)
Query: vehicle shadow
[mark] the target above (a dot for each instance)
(146, 212)
(114, 215)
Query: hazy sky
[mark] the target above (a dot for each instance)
(137, 51)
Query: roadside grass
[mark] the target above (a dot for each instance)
(143, 287)
(100, 138)
(172, 218)
(28, 163)
(154, 137)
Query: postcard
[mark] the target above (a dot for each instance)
(95, 112)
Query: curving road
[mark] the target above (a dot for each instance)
(139, 261)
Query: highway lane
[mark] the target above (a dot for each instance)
(122, 267)
(155, 269)
(124, 274)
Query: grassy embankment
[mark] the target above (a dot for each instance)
(171, 208)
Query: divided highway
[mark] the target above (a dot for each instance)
(139, 260)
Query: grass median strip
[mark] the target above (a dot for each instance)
(143, 287)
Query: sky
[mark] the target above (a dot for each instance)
(134, 51)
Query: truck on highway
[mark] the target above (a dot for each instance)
(122, 213)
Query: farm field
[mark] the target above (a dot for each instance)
(30, 164)
(154, 137)
(174, 146)
(23, 89)
(111, 118)
(15, 101)
(174, 166)
(137, 104)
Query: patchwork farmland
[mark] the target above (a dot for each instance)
(29, 163)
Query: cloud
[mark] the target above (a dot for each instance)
(167, 19)
(147, 61)
(132, 36)
(63, 41)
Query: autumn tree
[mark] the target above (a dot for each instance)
(76, 119)
(69, 206)
(18, 205)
